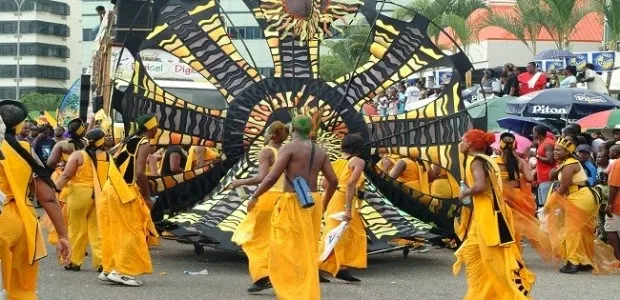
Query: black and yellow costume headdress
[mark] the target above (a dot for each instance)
(77, 129)
(567, 144)
(96, 137)
(507, 139)
(147, 122)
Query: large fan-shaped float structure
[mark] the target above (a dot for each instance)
(198, 204)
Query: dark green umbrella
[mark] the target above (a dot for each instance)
(495, 109)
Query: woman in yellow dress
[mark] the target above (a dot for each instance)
(571, 211)
(516, 177)
(350, 250)
(494, 266)
(21, 240)
(254, 231)
(57, 161)
(199, 156)
(387, 161)
(123, 209)
(85, 173)
(413, 174)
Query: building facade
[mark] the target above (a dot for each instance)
(90, 26)
(49, 29)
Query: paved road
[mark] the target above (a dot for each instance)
(389, 276)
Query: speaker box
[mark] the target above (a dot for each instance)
(138, 13)
(84, 96)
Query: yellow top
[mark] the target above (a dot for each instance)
(341, 167)
(279, 186)
(503, 171)
(15, 176)
(580, 177)
(210, 154)
(391, 157)
(84, 175)
(411, 172)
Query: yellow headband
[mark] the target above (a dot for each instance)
(99, 142)
(566, 144)
(150, 124)
(80, 130)
(19, 126)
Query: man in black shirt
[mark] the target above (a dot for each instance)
(511, 88)
(44, 143)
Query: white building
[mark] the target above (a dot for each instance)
(90, 24)
(49, 60)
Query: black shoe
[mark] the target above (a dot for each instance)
(100, 269)
(569, 268)
(346, 276)
(323, 279)
(585, 267)
(72, 267)
(261, 284)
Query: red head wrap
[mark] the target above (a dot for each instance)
(479, 139)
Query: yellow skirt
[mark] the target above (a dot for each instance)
(128, 233)
(293, 250)
(83, 229)
(253, 235)
(350, 251)
(571, 222)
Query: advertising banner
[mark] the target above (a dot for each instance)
(603, 61)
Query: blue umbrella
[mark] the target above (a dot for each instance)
(553, 54)
(570, 103)
(523, 125)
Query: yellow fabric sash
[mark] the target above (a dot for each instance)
(101, 172)
(123, 190)
(18, 175)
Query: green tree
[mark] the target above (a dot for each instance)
(560, 18)
(611, 11)
(39, 102)
(524, 22)
(343, 54)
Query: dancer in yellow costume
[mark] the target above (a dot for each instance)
(387, 161)
(254, 231)
(123, 210)
(294, 241)
(495, 268)
(199, 156)
(57, 161)
(21, 242)
(350, 250)
(443, 185)
(571, 211)
(85, 173)
(412, 174)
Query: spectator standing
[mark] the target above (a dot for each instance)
(570, 81)
(532, 80)
(544, 161)
(412, 92)
(490, 84)
(392, 101)
(369, 109)
(383, 104)
(422, 89)
(511, 87)
(554, 80)
(402, 97)
(612, 218)
(34, 133)
(584, 155)
(44, 143)
(59, 134)
(594, 81)
(24, 132)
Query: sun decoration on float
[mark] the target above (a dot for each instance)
(201, 206)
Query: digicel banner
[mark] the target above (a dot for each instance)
(159, 64)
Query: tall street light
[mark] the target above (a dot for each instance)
(19, 37)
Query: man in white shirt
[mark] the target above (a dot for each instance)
(412, 92)
(594, 81)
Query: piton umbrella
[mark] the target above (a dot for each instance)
(570, 103)
(553, 54)
(524, 125)
(495, 108)
(523, 143)
(605, 121)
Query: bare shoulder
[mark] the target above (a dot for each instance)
(356, 162)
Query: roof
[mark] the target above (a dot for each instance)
(590, 29)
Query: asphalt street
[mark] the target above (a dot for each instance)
(389, 276)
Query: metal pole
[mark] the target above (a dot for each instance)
(19, 36)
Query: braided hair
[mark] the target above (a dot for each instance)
(93, 137)
(508, 145)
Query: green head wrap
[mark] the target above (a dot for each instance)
(146, 122)
(302, 124)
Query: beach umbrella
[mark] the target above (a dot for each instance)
(495, 108)
(605, 121)
(570, 103)
(553, 54)
(523, 143)
(524, 125)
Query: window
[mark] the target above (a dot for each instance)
(53, 7)
(246, 33)
(88, 34)
(37, 27)
(34, 49)
(35, 71)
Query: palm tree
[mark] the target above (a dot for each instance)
(524, 22)
(343, 54)
(612, 17)
(450, 15)
(39, 102)
(560, 18)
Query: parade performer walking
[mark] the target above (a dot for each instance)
(495, 268)
(21, 240)
(199, 156)
(57, 161)
(294, 241)
(350, 250)
(413, 174)
(85, 173)
(124, 217)
(254, 231)
(571, 211)
(516, 177)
